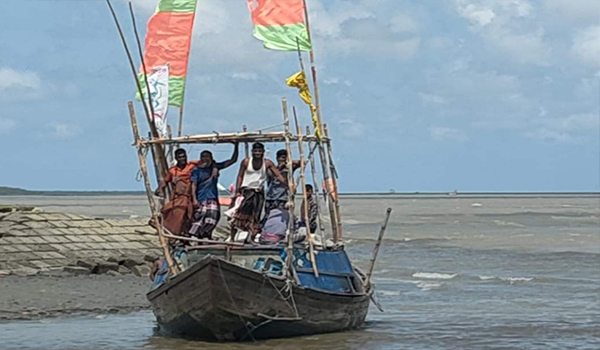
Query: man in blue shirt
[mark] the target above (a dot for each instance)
(206, 194)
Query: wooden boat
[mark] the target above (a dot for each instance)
(228, 291)
(217, 298)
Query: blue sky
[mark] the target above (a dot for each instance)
(487, 95)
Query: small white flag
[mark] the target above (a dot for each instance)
(158, 81)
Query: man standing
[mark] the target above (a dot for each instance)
(206, 194)
(309, 220)
(177, 213)
(277, 191)
(250, 185)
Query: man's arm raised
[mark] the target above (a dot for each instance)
(234, 156)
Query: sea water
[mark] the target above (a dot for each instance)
(454, 272)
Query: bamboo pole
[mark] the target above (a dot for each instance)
(145, 71)
(334, 181)
(327, 194)
(132, 67)
(377, 245)
(311, 247)
(144, 170)
(206, 241)
(322, 154)
(170, 151)
(290, 242)
(130, 59)
(246, 146)
(155, 160)
(240, 137)
(313, 68)
(180, 124)
(313, 170)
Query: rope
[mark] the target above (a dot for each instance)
(287, 287)
(139, 175)
(270, 127)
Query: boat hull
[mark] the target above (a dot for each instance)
(218, 300)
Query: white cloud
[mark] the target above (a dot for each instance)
(460, 80)
(481, 16)
(575, 10)
(7, 125)
(13, 79)
(432, 99)
(447, 134)
(62, 131)
(363, 28)
(377, 48)
(545, 134)
(351, 128)
(27, 85)
(328, 23)
(509, 26)
(146, 6)
(244, 76)
(586, 46)
(577, 122)
(573, 128)
(336, 81)
(401, 23)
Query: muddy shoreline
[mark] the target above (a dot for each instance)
(63, 295)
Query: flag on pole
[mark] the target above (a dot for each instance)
(168, 40)
(158, 81)
(298, 80)
(279, 24)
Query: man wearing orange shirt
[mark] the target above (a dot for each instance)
(177, 214)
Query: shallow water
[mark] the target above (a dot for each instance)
(453, 273)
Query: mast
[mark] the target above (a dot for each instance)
(144, 170)
(333, 197)
(309, 237)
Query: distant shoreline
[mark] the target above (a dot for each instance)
(11, 191)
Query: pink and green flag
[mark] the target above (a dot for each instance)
(168, 40)
(280, 24)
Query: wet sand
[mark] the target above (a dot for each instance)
(27, 298)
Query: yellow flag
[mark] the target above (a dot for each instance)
(298, 81)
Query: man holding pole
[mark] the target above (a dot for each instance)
(206, 194)
(250, 185)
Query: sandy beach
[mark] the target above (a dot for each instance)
(61, 295)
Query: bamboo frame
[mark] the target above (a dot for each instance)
(207, 241)
(313, 170)
(311, 247)
(290, 242)
(334, 181)
(334, 211)
(246, 145)
(250, 137)
(144, 170)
